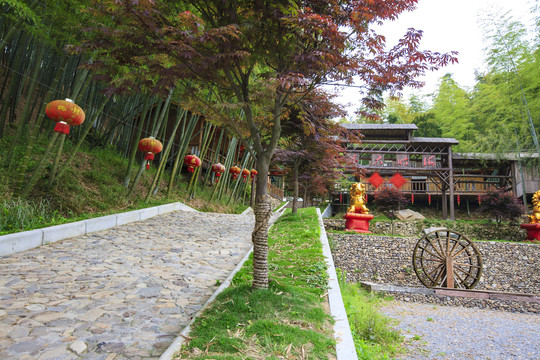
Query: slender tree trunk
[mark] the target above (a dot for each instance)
(295, 195)
(259, 236)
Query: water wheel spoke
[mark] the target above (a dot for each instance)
(463, 271)
(432, 246)
(462, 281)
(460, 251)
(433, 254)
(469, 265)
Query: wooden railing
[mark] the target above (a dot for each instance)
(274, 191)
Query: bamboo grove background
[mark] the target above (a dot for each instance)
(34, 72)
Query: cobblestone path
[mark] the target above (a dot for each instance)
(124, 293)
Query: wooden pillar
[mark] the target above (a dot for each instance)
(444, 202)
(451, 184)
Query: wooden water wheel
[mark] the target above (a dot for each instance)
(444, 258)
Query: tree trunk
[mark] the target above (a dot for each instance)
(259, 236)
(295, 195)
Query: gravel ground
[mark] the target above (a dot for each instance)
(446, 332)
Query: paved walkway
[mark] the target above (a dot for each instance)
(123, 293)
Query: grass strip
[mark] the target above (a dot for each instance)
(373, 334)
(289, 319)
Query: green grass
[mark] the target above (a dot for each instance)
(285, 320)
(373, 335)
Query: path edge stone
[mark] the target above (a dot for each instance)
(26, 240)
(345, 349)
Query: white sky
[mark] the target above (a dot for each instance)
(448, 25)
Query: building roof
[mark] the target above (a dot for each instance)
(380, 126)
(492, 156)
(432, 140)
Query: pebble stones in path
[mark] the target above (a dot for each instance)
(124, 293)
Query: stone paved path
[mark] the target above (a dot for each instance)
(123, 293)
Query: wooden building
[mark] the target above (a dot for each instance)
(433, 172)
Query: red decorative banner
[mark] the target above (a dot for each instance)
(398, 180)
(376, 180)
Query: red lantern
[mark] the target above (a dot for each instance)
(412, 199)
(253, 173)
(479, 199)
(340, 198)
(458, 200)
(150, 147)
(66, 113)
(235, 171)
(245, 174)
(429, 199)
(218, 169)
(192, 161)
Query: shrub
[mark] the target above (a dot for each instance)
(501, 206)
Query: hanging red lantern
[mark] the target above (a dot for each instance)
(340, 198)
(253, 173)
(150, 146)
(479, 199)
(192, 161)
(412, 199)
(218, 169)
(366, 199)
(429, 199)
(245, 174)
(66, 113)
(458, 200)
(234, 171)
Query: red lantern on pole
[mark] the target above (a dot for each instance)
(150, 146)
(253, 173)
(218, 169)
(66, 113)
(245, 174)
(234, 171)
(192, 162)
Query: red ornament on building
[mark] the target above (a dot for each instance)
(192, 161)
(245, 174)
(253, 173)
(66, 113)
(218, 169)
(150, 146)
(398, 180)
(376, 180)
(234, 171)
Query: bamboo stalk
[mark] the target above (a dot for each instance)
(37, 172)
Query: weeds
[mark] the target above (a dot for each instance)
(372, 332)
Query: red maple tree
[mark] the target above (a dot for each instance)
(248, 62)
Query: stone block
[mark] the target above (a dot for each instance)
(100, 223)
(17, 242)
(462, 293)
(128, 217)
(149, 212)
(168, 208)
(65, 231)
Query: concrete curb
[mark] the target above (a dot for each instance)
(179, 341)
(345, 349)
(26, 240)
